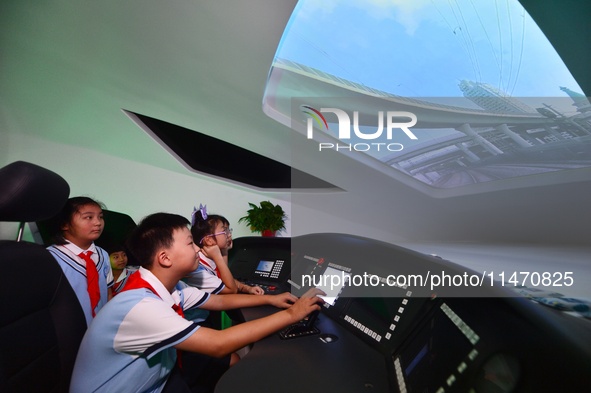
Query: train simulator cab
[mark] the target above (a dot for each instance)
(432, 159)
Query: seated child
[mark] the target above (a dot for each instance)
(86, 266)
(212, 232)
(131, 344)
(121, 271)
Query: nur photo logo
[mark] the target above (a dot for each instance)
(388, 122)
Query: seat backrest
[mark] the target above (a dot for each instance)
(41, 321)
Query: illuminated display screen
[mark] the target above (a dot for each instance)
(265, 266)
(332, 282)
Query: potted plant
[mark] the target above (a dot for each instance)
(265, 218)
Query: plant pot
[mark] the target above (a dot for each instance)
(268, 233)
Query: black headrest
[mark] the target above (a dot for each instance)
(118, 226)
(30, 192)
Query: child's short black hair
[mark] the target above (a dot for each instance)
(153, 233)
(114, 247)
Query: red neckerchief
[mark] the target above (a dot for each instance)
(135, 281)
(217, 271)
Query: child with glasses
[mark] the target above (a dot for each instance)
(213, 234)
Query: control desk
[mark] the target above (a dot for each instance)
(378, 334)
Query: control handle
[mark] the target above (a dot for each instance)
(305, 327)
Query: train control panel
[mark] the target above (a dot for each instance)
(382, 329)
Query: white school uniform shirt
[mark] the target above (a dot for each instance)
(74, 268)
(206, 279)
(129, 346)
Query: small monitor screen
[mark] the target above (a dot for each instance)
(375, 313)
(265, 266)
(438, 350)
(332, 282)
(383, 320)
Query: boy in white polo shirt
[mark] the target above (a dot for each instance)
(131, 345)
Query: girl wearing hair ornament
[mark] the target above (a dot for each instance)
(213, 234)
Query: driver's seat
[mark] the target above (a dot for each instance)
(41, 321)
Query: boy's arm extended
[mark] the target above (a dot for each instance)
(232, 301)
(220, 343)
